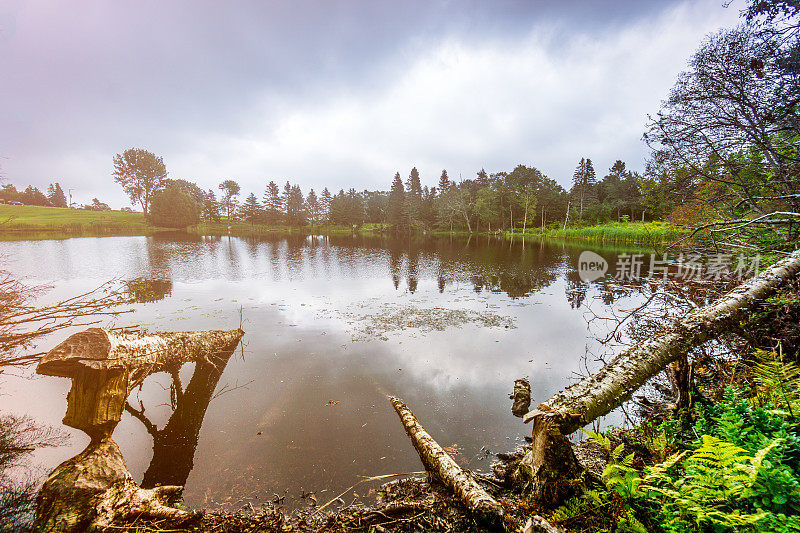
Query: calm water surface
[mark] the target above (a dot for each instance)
(446, 324)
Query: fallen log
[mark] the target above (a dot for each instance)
(604, 391)
(438, 462)
(136, 351)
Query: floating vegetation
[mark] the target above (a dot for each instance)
(392, 317)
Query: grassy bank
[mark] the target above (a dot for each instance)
(647, 233)
(53, 222)
(20, 219)
(35, 222)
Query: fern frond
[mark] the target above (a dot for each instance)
(777, 381)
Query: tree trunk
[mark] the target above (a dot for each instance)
(525, 218)
(599, 394)
(607, 389)
(137, 352)
(437, 461)
(94, 490)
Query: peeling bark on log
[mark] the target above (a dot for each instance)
(99, 348)
(607, 389)
(437, 461)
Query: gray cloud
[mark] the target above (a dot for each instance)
(333, 93)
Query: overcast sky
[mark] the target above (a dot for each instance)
(334, 93)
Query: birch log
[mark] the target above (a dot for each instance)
(437, 461)
(604, 391)
(139, 352)
(607, 389)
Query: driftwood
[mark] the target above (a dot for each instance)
(438, 462)
(607, 389)
(94, 489)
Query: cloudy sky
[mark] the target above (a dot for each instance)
(334, 93)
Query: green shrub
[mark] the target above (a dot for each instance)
(173, 208)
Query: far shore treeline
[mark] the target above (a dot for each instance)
(517, 200)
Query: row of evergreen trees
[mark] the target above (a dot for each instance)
(33, 196)
(522, 198)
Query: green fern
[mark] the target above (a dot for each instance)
(777, 381)
(716, 478)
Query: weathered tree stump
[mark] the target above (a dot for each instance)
(521, 397)
(94, 489)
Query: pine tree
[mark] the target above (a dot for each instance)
(312, 207)
(396, 200)
(251, 209)
(413, 185)
(413, 199)
(295, 208)
(483, 179)
(325, 204)
(355, 208)
(591, 177)
(578, 181)
(33, 196)
(56, 196)
(210, 210)
(444, 182)
(287, 193)
(273, 203)
(338, 209)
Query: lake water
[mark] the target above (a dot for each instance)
(333, 325)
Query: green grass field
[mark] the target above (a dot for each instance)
(18, 221)
(648, 233)
(15, 219)
(23, 222)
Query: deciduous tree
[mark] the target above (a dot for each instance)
(230, 190)
(141, 174)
